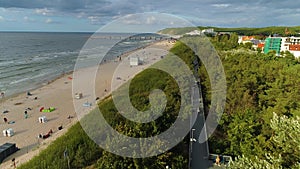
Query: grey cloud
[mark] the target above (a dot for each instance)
(25, 4)
(213, 12)
(61, 5)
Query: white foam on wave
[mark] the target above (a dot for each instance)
(19, 81)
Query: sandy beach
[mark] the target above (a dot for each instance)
(58, 94)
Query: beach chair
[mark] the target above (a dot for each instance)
(78, 95)
(87, 104)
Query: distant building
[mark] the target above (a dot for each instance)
(261, 46)
(251, 39)
(210, 30)
(224, 33)
(255, 42)
(194, 32)
(246, 39)
(294, 47)
(291, 44)
(282, 44)
(272, 43)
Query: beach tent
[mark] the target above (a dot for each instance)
(8, 132)
(5, 133)
(42, 119)
(135, 61)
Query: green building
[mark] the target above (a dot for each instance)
(272, 44)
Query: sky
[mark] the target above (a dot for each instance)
(90, 15)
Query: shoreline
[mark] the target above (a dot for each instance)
(14, 95)
(57, 93)
(70, 73)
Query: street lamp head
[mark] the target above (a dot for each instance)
(193, 140)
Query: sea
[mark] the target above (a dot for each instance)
(29, 60)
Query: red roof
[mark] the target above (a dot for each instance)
(294, 47)
(244, 38)
(260, 45)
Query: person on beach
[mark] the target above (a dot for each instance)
(25, 114)
(14, 162)
(5, 120)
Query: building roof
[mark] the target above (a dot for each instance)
(260, 45)
(294, 47)
(248, 38)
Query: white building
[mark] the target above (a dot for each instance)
(194, 32)
(135, 61)
(211, 30)
(291, 44)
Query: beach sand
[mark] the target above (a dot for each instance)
(58, 94)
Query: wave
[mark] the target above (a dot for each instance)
(5, 63)
(19, 81)
(19, 71)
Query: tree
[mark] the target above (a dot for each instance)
(248, 45)
(285, 152)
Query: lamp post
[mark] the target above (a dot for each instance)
(66, 156)
(192, 139)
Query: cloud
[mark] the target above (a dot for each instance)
(94, 19)
(1, 18)
(131, 20)
(44, 11)
(48, 20)
(150, 20)
(232, 13)
(220, 5)
(27, 19)
(80, 14)
(68, 6)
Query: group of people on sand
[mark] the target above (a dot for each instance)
(25, 116)
(46, 135)
(2, 94)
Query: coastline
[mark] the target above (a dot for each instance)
(68, 73)
(57, 93)
(14, 95)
